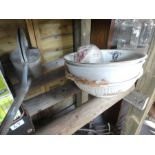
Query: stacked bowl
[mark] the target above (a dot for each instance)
(116, 73)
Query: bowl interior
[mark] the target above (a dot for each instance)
(113, 56)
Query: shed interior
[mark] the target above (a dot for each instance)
(54, 104)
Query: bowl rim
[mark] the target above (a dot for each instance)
(139, 60)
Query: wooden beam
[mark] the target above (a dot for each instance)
(85, 40)
(146, 85)
(111, 32)
(37, 35)
(85, 31)
(81, 36)
(74, 120)
(47, 100)
(76, 34)
(31, 33)
(81, 32)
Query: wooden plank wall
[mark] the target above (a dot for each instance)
(8, 34)
(54, 38)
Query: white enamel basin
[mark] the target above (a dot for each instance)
(108, 90)
(116, 66)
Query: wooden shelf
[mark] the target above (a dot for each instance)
(74, 120)
(47, 100)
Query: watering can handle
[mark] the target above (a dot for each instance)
(22, 44)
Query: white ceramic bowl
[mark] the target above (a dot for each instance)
(109, 89)
(116, 66)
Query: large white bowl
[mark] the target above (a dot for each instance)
(109, 89)
(116, 66)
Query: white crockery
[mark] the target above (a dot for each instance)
(116, 66)
(108, 90)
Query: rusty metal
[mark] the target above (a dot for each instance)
(84, 81)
